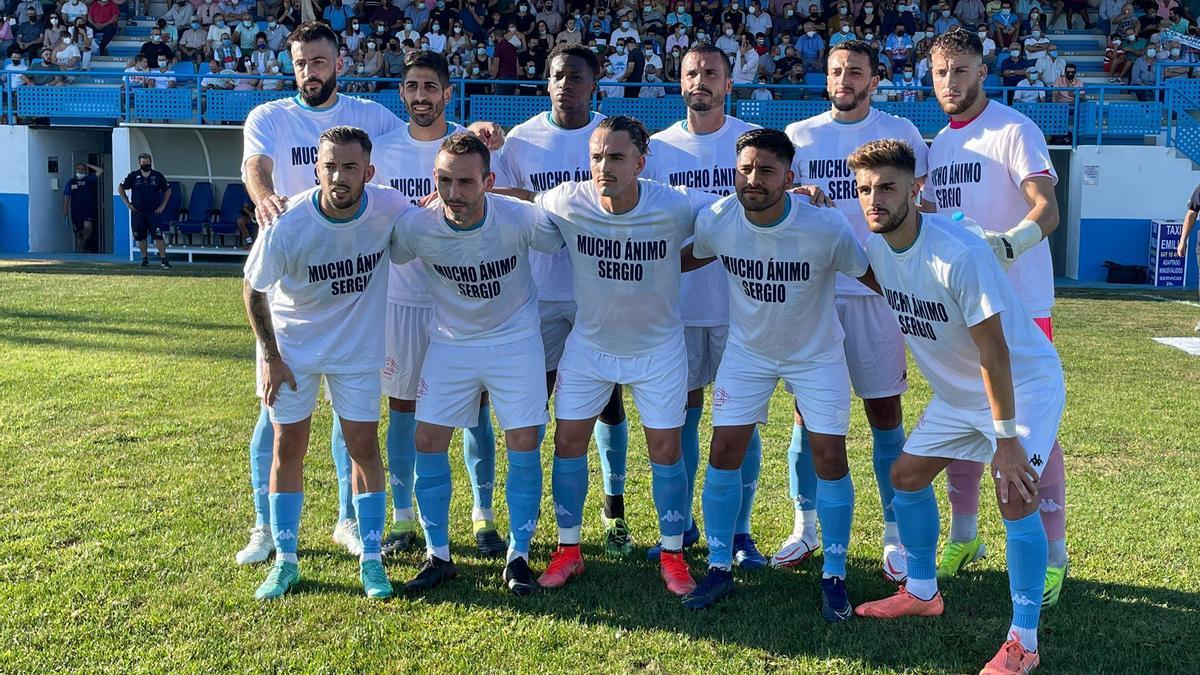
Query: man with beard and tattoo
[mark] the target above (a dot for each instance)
(539, 154)
(780, 257)
(279, 159)
(317, 310)
(874, 346)
(404, 160)
(699, 152)
(992, 164)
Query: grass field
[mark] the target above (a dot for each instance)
(126, 402)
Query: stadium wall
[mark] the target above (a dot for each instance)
(14, 190)
(1114, 193)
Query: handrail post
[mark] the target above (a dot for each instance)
(1100, 117)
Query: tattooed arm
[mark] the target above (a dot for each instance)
(276, 372)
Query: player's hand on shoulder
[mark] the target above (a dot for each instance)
(270, 209)
(816, 196)
(1013, 472)
(490, 133)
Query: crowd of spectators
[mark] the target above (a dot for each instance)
(638, 41)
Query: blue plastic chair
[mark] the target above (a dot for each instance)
(174, 204)
(194, 219)
(224, 223)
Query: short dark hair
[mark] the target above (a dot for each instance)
(589, 58)
(313, 31)
(467, 143)
(345, 135)
(706, 47)
(636, 130)
(772, 140)
(857, 47)
(958, 41)
(424, 58)
(885, 153)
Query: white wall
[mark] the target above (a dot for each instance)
(14, 190)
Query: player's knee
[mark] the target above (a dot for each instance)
(884, 413)
(521, 439)
(425, 438)
(402, 405)
(725, 454)
(569, 442)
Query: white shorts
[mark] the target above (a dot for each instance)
(558, 318)
(407, 338)
(658, 382)
(355, 397)
(874, 346)
(951, 433)
(454, 376)
(746, 382)
(705, 345)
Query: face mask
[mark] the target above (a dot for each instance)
(869, 10)
(481, 51)
(1053, 53)
(625, 25)
(645, 10)
(753, 10)
(220, 24)
(679, 29)
(275, 69)
(262, 47)
(80, 176)
(523, 9)
(610, 70)
(156, 38)
(436, 27)
(982, 36)
(272, 24)
(53, 21)
(354, 25)
(845, 28)
(457, 30)
(371, 45)
(407, 25)
(729, 32)
(1130, 37)
(1005, 11)
(648, 52)
(842, 10)
(16, 58)
(247, 24)
(362, 69)
(475, 70)
(674, 54)
(531, 70)
(441, 5)
(145, 166)
(733, 6)
(810, 33)
(907, 75)
(679, 10)
(1015, 54)
(195, 25)
(226, 42)
(1151, 53)
(424, 45)
(1037, 33)
(1116, 43)
(621, 50)
(788, 13)
(1175, 51)
(66, 41)
(869, 37)
(701, 35)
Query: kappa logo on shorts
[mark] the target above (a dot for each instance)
(389, 367)
(422, 388)
(720, 397)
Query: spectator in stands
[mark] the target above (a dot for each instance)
(244, 34)
(393, 60)
(262, 57)
(727, 42)
(840, 19)
(45, 65)
(970, 12)
(627, 31)
(84, 36)
(504, 64)
(811, 48)
(480, 59)
(193, 44)
(216, 30)
(651, 91)
(137, 75)
(1176, 21)
(680, 17)
(1107, 11)
(436, 37)
(607, 90)
(337, 15)
(353, 36)
(788, 21)
(1179, 66)
(868, 21)
(154, 49)
(989, 47)
(81, 197)
(150, 194)
(215, 81)
(170, 33)
(457, 69)
(227, 52)
(418, 15)
(65, 53)
(14, 68)
(1037, 44)
(899, 47)
(904, 15)
(245, 67)
(104, 16)
(652, 23)
(945, 20)
(845, 34)
(7, 38)
(1068, 81)
(181, 12)
(51, 29)
(1135, 45)
(1126, 23)
(1013, 68)
(758, 21)
(371, 59)
(1142, 73)
(1116, 64)
(24, 7)
(459, 41)
(164, 76)
(569, 34)
(1071, 8)
(76, 9)
(910, 84)
(207, 12)
(1006, 26)
(745, 68)
(1028, 90)
(29, 35)
(1051, 67)
(407, 32)
(529, 80)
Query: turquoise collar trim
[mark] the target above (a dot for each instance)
(787, 211)
(471, 228)
(300, 102)
(362, 207)
(551, 122)
(914, 241)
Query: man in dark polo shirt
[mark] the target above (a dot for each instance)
(505, 64)
(149, 197)
(80, 201)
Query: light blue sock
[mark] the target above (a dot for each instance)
(1026, 553)
(722, 497)
(668, 486)
(751, 466)
(285, 523)
(569, 485)
(402, 457)
(341, 463)
(262, 449)
(917, 518)
(835, 512)
(612, 441)
(802, 477)
(690, 437)
(371, 508)
(479, 452)
(887, 447)
(523, 492)
(433, 500)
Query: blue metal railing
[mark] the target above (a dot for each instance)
(1090, 112)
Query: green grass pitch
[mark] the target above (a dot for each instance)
(126, 404)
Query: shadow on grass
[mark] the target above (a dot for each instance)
(1096, 626)
(54, 267)
(109, 324)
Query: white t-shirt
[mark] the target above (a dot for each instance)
(822, 146)
(479, 277)
(780, 278)
(537, 156)
(406, 164)
(286, 130)
(978, 169)
(705, 162)
(939, 287)
(327, 299)
(626, 266)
